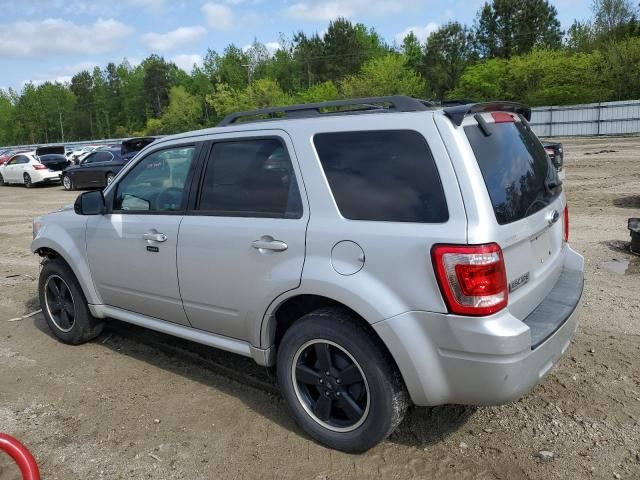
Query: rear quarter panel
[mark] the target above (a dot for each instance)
(397, 275)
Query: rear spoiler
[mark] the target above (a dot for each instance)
(457, 113)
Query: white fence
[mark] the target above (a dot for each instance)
(606, 118)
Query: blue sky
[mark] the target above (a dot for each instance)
(54, 39)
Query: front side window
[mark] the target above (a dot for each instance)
(384, 175)
(250, 178)
(156, 183)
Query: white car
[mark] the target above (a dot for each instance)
(26, 169)
(79, 155)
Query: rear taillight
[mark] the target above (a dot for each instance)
(39, 166)
(565, 223)
(472, 278)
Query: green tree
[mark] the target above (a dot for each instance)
(183, 114)
(156, 83)
(448, 52)
(412, 51)
(610, 15)
(513, 27)
(6, 114)
(388, 75)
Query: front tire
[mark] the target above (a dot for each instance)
(64, 305)
(2, 184)
(67, 183)
(27, 181)
(339, 382)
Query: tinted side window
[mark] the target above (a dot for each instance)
(157, 182)
(101, 157)
(382, 175)
(22, 160)
(250, 178)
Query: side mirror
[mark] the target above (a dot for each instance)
(90, 203)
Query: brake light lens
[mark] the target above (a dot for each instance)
(39, 166)
(565, 223)
(472, 278)
(502, 117)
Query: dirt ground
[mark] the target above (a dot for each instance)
(136, 404)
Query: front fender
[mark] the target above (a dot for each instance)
(68, 241)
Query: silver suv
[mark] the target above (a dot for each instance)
(378, 252)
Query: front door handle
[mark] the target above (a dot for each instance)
(267, 242)
(155, 236)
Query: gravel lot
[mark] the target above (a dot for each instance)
(136, 404)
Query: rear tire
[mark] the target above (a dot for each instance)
(64, 305)
(360, 398)
(2, 184)
(27, 180)
(67, 183)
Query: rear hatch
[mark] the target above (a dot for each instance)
(133, 145)
(57, 163)
(50, 150)
(527, 202)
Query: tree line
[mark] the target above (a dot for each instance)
(515, 50)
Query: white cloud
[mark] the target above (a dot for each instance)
(272, 47)
(421, 32)
(318, 10)
(175, 39)
(60, 37)
(218, 16)
(61, 74)
(186, 61)
(152, 6)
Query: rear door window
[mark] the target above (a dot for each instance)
(517, 172)
(250, 178)
(384, 175)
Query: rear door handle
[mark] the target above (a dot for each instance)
(267, 242)
(155, 236)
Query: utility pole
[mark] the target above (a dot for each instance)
(249, 68)
(61, 127)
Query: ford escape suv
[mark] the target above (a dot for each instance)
(378, 252)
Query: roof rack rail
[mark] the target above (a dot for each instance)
(457, 112)
(396, 103)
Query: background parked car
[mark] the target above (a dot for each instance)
(96, 170)
(556, 154)
(132, 146)
(26, 169)
(4, 158)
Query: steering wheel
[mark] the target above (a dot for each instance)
(170, 196)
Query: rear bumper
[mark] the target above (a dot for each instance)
(45, 176)
(484, 361)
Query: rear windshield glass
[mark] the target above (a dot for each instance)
(519, 176)
(382, 176)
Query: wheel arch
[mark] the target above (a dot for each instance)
(285, 313)
(73, 257)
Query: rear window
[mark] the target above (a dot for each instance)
(519, 176)
(385, 175)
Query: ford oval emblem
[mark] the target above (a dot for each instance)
(552, 217)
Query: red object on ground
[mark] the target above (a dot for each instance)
(26, 463)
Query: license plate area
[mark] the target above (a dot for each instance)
(542, 248)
